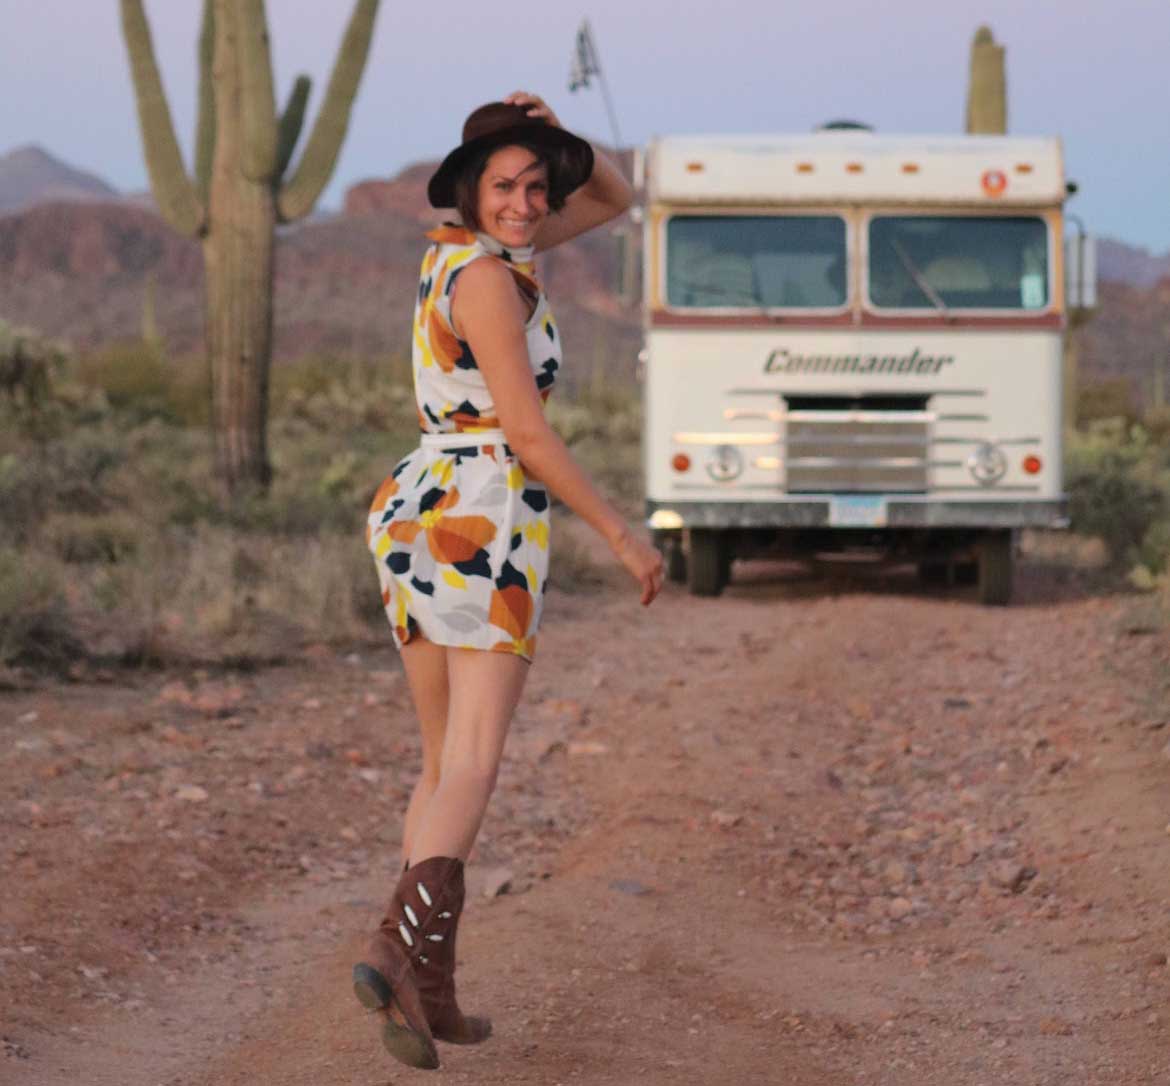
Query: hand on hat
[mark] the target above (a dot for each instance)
(536, 106)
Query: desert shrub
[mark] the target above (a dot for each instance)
(333, 393)
(1109, 398)
(81, 538)
(1157, 425)
(1154, 551)
(29, 363)
(66, 474)
(35, 624)
(132, 375)
(293, 511)
(115, 542)
(1119, 490)
(136, 379)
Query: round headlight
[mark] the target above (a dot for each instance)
(987, 464)
(724, 463)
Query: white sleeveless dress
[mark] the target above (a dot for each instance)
(459, 531)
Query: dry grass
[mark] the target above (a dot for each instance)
(113, 546)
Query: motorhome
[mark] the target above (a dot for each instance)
(853, 340)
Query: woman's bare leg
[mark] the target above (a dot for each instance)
(426, 675)
(483, 691)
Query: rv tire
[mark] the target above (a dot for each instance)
(995, 568)
(709, 563)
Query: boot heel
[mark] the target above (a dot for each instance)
(370, 987)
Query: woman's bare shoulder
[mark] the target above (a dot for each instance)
(484, 290)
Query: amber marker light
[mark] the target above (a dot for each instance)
(804, 167)
(854, 167)
(1033, 464)
(910, 167)
(695, 167)
(680, 462)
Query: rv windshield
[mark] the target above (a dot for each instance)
(755, 261)
(958, 262)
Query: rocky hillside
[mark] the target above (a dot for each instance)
(1130, 265)
(82, 270)
(345, 283)
(1128, 336)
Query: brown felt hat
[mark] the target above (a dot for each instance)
(498, 124)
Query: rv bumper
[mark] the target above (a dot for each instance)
(903, 511)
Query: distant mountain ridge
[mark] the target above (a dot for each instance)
(82, 270)
(29, 176)
(1130, 264)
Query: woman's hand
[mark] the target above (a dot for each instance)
(643, 562)
(605, 195)
(537, 106)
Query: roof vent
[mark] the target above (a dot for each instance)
(843, 125)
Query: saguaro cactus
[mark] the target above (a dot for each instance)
(239, 193)
(987, 89)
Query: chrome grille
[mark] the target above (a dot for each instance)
(841, 449)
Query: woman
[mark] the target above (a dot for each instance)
(460, 528)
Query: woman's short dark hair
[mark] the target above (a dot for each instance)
(466, 182)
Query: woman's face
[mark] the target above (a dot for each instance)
(513, 196)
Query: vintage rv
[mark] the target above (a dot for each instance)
(853, 340)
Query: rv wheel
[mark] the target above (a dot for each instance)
(670, 546)
(995, 568)
(708, 564)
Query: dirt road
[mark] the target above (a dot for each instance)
(828, 832)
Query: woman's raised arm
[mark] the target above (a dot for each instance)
(603, 197)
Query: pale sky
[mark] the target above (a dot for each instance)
(1097, 74)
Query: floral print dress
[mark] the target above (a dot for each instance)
(459, 531)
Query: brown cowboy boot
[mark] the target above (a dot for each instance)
(384, 980)
(434, 967)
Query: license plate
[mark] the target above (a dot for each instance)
(857, 511)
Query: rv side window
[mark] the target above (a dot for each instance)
(755, 261)
(958, 262)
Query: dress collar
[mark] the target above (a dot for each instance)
(453, 233)
(520, 255)
(519, 259)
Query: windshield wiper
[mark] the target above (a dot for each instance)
(736, 298)
(920, 280)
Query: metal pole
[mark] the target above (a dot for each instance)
(617, 136)
(595, 53)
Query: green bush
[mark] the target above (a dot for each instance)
(1119, 490)
(1110, 398)
(1154, 552)
(81, 538)
(132, 375)
(35, 625)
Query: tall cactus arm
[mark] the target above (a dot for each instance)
(296, 199)
(291, 122)
(987, 89)
(173, 190)
(205, 126)
(257, 94)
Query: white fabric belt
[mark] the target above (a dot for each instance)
(462, 440)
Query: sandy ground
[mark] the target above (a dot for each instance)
(817, 831)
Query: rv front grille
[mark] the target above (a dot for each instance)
(856, 444)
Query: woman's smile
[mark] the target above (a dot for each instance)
(513, 196)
